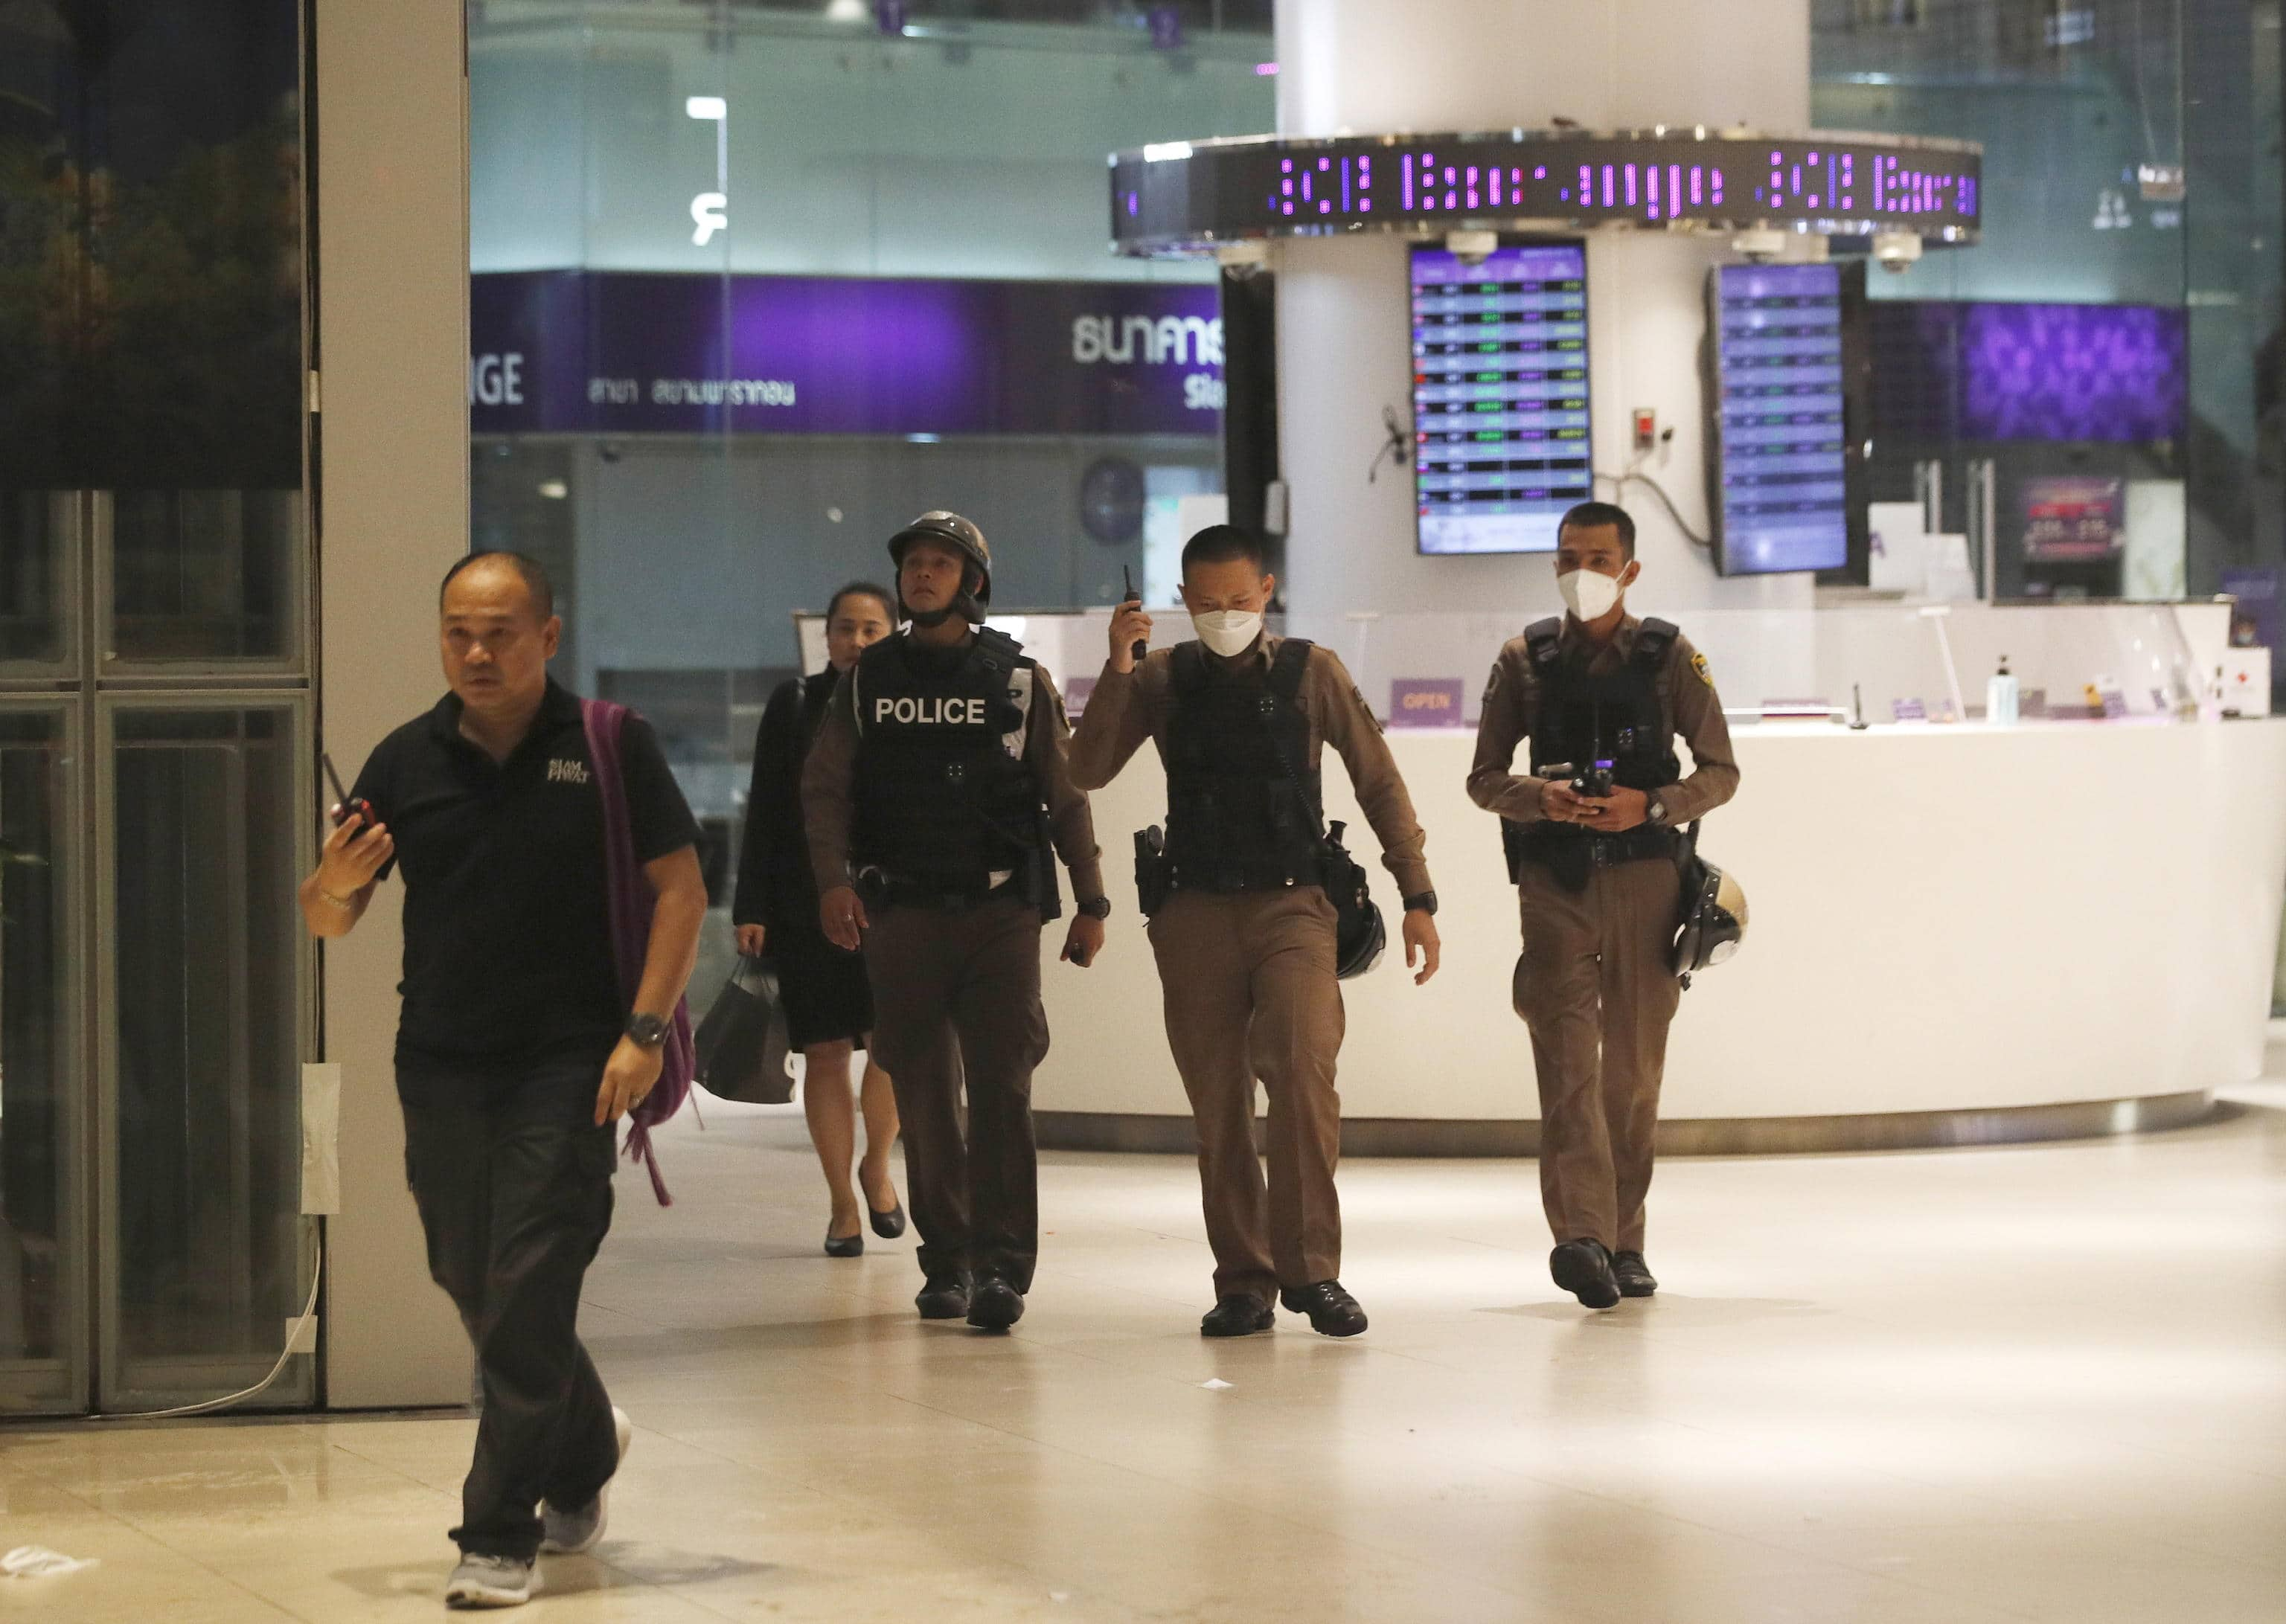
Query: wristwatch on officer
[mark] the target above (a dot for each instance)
(650, 1030)
(1422, 902)
(1656, 810)
(1097, 907)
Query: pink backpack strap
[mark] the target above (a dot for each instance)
(630, 903)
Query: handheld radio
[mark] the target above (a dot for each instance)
(345, 807)
(1126, 580)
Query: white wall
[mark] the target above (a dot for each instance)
(1369, 67)
(1345, 352)
(393, 285)
(1344, 325)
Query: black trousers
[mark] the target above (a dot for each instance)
(514, 1183)
(956, 997)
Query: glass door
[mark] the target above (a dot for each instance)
(43, 1275)
(156, 993)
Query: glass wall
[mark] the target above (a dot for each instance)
(2132, 154)
(756, 285)
(154, 637)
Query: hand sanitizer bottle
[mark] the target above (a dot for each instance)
(2001, 697)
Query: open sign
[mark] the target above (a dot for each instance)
(1426, 701)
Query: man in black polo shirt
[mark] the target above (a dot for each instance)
(515, 1051)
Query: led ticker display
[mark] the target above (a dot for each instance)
(1500, 397)
(1783, 466)
(1184, 197)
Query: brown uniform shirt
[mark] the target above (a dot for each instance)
(829, 776)
(1686, 693)
(1129, 707)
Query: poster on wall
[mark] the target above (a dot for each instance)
(2074, 518)
(641, 352)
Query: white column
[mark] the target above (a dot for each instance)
(393, 275)
(1344, 343)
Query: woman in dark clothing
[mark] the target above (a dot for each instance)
(827, 1004)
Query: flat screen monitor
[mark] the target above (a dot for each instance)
(1782, 480)
(1500, 395)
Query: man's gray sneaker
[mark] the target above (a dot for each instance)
(580, 1530)
(490, 1581)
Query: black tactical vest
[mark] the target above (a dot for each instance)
(945, 798)
(1244, 807)
(1582, 719)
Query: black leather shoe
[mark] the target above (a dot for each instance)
(943, 1296)
(1333, 1312)
(1242, 1315)
(847, 1246)
(1584, 1269)
(995, 1304)
(1633, 1274)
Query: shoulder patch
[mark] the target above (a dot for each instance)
(1699, 664)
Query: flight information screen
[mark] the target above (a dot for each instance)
(1500, 397)
(1778, 367)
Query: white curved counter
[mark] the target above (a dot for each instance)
(1957, 932)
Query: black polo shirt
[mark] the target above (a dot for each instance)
(508, 945)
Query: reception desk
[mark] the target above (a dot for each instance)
(1959, 934)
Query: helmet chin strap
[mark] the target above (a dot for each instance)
(964, 606)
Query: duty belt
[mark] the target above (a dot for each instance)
(1227, 877)
(878, 888)
(1570, 855)
(1607, 851)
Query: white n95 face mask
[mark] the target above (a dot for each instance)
(1228, 631)
(1588, 593)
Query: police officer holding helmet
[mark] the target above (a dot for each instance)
(1246, 935)
(931, 799)
(1592, 838)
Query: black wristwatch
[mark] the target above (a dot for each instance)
(647, 1029)
(1097, 907)
(1426, 902)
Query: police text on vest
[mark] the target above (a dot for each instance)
(931, 712)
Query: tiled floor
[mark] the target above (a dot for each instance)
(2031, 1384)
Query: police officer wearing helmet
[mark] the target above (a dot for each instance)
(936, 799)
(1598, 881)
(1246, 935)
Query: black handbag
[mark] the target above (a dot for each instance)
(743, 1045)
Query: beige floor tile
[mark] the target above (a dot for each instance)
(1907, 1389)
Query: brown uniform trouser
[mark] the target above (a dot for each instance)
(1594, 987)
(958, 993)
(1250, 993)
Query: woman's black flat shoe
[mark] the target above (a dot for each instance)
(889, 1225)
(847, 1246)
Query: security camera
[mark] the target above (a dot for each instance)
(1896, 249)
(1471, 248)
(1762, 245)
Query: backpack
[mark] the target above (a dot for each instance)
(631, 901)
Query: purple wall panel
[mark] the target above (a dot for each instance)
(2072, 373)
(642, 353)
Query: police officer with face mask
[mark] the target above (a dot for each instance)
(1594, 863)
(1246, 935)
(931, 798)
